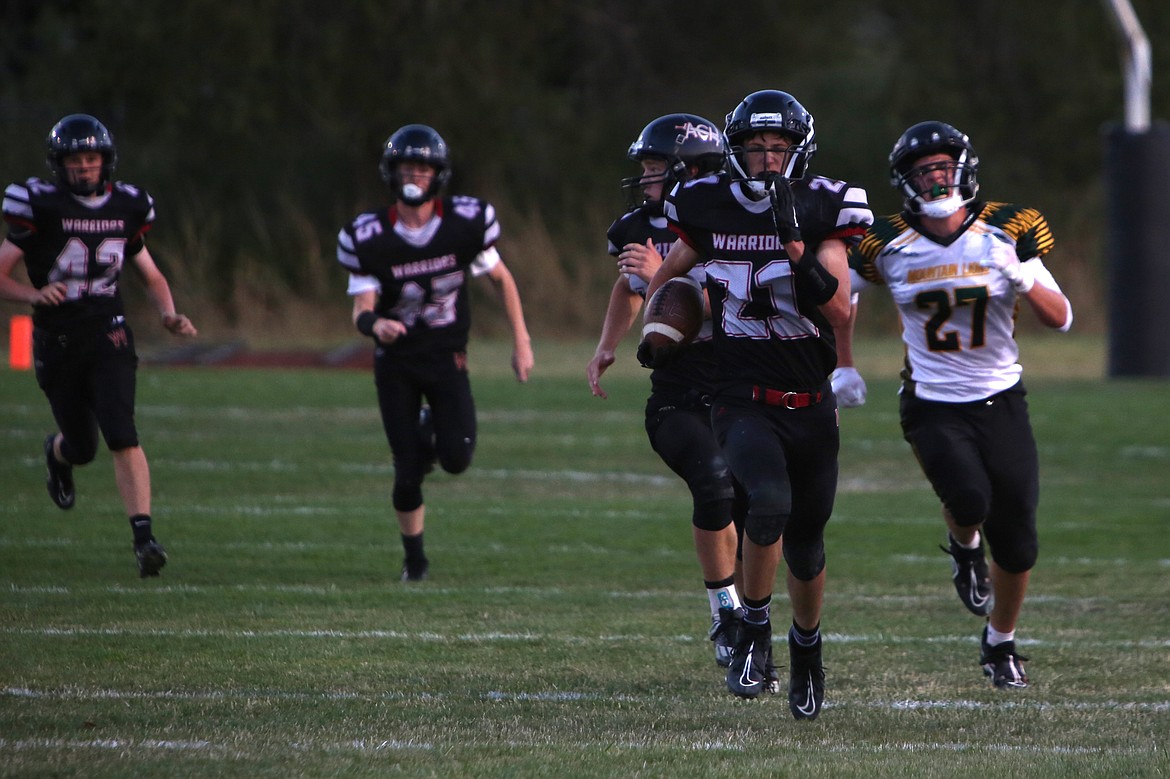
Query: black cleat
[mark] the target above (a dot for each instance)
(970, 575)
(60, 477)
(724, 632)
(151, 558)
(1003, 664)
(806, 680)
(414, 571)
(751, 662)
(426, 437)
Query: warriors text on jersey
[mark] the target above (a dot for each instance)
(80, 242)
(767, 330)
(695, 367)
(958, 317)
(421, 275)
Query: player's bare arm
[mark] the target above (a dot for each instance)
(623, 308)
(51, 294)
(833, 256)
(522, 357)
(1051, 306)
(160, 292)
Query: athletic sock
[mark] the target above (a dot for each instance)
(757, 612)
(140, 524)
(413, 546)
(994, 637)
(974, 542)
(722, 595)
(805, 637)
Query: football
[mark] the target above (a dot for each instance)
(674, 315)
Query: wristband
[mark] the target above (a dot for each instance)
(365, 322)
(821, 283)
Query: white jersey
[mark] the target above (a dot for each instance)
(958, 317)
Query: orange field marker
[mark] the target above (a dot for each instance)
(20, 343)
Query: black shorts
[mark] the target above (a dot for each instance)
(786, 462)
(89, 377)
(678, 425)
(980, 458)
(441, 378)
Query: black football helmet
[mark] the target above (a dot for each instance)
(775, 111)
(934, 138)
(420, 143)
(684, 141)
(79, 133)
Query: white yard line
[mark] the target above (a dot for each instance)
(492, 637)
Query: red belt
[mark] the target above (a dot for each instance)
(789, 400)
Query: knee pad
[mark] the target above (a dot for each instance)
(1016, 551)
(79, 455)
(765, 529)
(806, 559)
(457, 459)
(407, 497)
(712, 515)
(454, 466)
(968, 507)
(713, 494)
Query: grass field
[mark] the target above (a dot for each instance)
(562, 629)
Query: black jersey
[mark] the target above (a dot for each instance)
(79, 242)
(638, 226)
(767, 330)
(422, 274)
(695, 367)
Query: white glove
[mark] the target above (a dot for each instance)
(1003, 259)
(849, 387)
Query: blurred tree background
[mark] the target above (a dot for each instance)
(258, 125)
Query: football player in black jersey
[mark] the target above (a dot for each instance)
(74, 233)
(409, 264)
(672, 149)
(772, 241)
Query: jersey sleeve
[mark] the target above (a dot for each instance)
(675, 208)
(491, 226)
(833, 209)
(615, 235)
(473, 214)
(485, 261)
(359, 283)
(144, 203)
(346, 252)
(854, 216)
(18, 213)
(863, 255)
(1026, 226)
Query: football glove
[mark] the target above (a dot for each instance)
(784, 209)
(1003, 259)
(849, 387)
(651, 357)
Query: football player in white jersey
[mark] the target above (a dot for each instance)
(958, 269)
(408, 267)
(75, 233)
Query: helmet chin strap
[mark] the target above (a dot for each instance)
(940, 209)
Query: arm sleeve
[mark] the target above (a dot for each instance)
(485, 261)
(359, 283)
